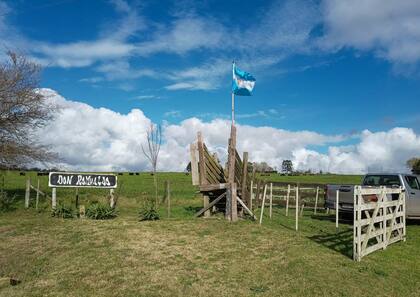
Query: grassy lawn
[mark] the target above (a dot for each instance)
(183, 256)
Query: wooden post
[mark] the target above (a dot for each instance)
(251, 195)
(168, 197)
(263, 204)
(336, 208)
(257, 193)
(111, 198)
(37, 195)
(316, 199)
(244, 181)
(54, 198)
(206, 202)
(287, 200)
(301, 209)
(77, 198)
(271, 200)
(297, 207)
(27, 192)
(231, 175)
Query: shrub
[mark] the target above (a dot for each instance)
(149, 213)
(63, 211)
(97, 211)
(6, 202)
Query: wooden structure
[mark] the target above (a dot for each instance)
(379, 219)
(224, 189)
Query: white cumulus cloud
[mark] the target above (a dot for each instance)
(99, 139)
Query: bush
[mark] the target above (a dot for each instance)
(6, 202)
(97, 211)
(63, 211)
(149, 213)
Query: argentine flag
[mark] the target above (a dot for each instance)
(242, 83)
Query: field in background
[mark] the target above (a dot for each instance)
(184, 256)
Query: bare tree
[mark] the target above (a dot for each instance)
(23, 109)
(154, 140)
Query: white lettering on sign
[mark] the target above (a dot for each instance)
(89, 181)
(64, 180)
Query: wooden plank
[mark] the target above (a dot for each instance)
(210, 205)
(201, 160)
(246, 208)
(316, 199)
(194, 164)
(213, 187)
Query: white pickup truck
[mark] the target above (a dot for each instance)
(409, 182)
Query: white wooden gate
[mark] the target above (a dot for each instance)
(379, 219)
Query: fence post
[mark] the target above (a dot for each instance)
(37, 195)
(252, 194)
(271, 200)
(27, 192)
(297, 207)
(77, 198)
(336, 208)
(287, 200)
(54, 198)
(316, 199)
(111, 198)
(263, 203)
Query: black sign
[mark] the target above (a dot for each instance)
(82, 180)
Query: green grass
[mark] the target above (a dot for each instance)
(183, 256)
(318, 178)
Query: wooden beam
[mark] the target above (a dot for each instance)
(194, 164)
(246, 208)
(210, 205)
(213, 187)
(201, 160)
(233, 211)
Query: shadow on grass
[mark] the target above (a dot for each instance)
(192, 209)
(344, 218)
(341, 242)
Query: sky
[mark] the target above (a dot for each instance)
(337, 90)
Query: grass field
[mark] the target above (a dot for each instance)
(183, 256)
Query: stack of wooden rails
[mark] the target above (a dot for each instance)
(224, 189)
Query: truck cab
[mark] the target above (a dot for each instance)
(409, 182)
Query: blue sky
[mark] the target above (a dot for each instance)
(332, 67)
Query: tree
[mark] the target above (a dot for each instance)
(154, 140)
(414, 165)
(287, 166)
(23, 110)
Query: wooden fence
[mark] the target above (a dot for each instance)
(379, 219)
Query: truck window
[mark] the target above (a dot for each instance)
(412, 182)
(381, 180)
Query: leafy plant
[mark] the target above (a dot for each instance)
(63, 211)
(149, 212)
(98, 211)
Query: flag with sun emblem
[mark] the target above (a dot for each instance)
(243, 83)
